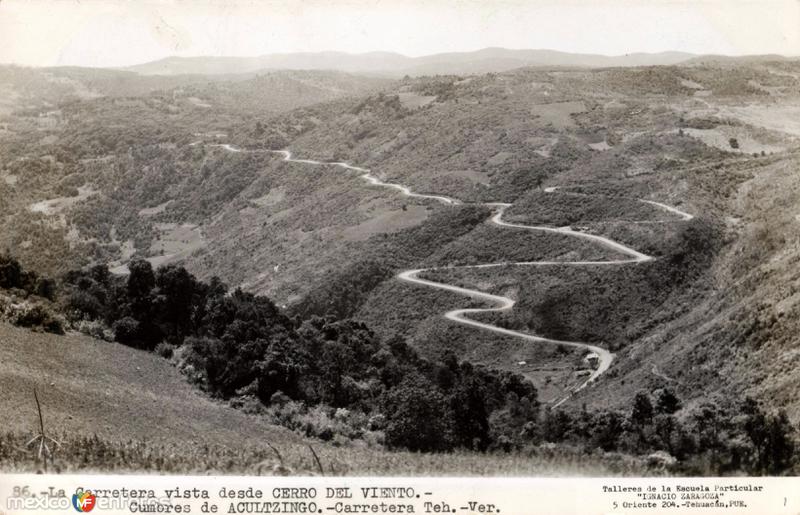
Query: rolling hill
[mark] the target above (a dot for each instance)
(39, 88)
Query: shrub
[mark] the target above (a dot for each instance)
(165, 350)
(279, 399)
(39, 317)
(45, 288)
(95, 329)
(10, 272)
(126, 331)
(666, 401)
(81, 304)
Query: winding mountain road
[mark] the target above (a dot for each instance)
(500, 303)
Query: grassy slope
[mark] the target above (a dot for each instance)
(91, 386)
(743, 335)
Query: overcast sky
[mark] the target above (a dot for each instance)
(118, 33)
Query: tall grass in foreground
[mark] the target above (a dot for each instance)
(97, 454)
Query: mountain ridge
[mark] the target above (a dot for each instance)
(492, 59)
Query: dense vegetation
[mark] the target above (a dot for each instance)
(715, 438)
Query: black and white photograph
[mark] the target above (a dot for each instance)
(400, 238)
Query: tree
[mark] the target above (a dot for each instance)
(710, 430)
(417, 417)
(81, 304)
(642, 412)
(556, 426)
(100, 274)
(140, 286)
(176, 298)
(666, 401)
(771, 436)
(46, 288)
(734, 143)
(779, 449)
(10, 272)
(282, 365)
(470, 417)
(606, 430)
(127, 331)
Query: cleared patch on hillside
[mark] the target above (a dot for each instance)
(175, 242)
(59, 204)
(783, 118)
(275, 196)
(600, 146)
(198, 102)
(691, 84)
(151, 211)
(720, 137)
(558, 113)
(411, 100)
(471, 175)
(387, 222)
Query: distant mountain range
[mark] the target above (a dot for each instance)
(392, 64)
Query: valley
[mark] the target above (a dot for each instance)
(603, 356)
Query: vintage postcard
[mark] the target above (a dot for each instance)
(399, 256)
